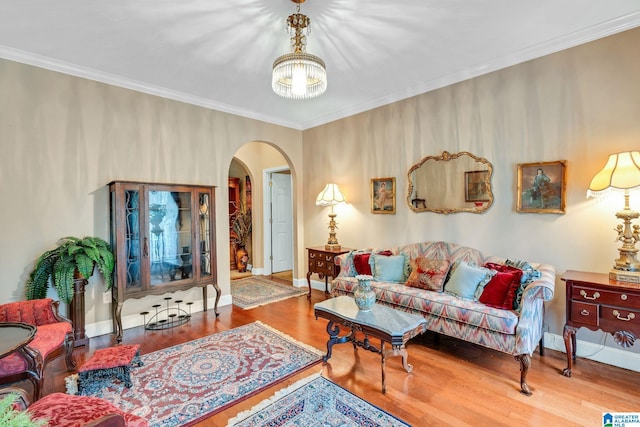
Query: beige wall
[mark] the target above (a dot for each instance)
(62, 139)
(578, 105)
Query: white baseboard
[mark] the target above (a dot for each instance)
(132, 320)
(598, 352)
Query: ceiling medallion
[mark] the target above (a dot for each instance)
(299, 75)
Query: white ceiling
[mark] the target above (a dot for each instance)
(218, 54)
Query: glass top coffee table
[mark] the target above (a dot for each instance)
(384, 323)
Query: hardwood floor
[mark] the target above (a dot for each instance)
(452, 383)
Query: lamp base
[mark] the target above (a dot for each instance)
(624, 276)
(332, 247)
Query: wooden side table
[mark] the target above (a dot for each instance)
(597, 303)
(321, 262)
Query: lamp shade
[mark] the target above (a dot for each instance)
(622, 172)
(330, 196)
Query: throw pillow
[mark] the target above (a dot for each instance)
(529, 274)
(465, 279)
(388, 268)
(501, 290)
(428, 273)
(361, 261)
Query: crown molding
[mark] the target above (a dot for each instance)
(63, 67)
(567, 41)
(577, 38)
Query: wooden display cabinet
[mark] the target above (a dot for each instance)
(163, 237)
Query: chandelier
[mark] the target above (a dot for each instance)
(299, 75)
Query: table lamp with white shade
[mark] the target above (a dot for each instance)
(622, 173)
(331, 196)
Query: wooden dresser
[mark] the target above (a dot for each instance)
(597, 303)
(321, 262)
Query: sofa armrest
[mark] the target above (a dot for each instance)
(55, 306)
(543, 287)
(342, 261)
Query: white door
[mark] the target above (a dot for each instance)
(281, 222)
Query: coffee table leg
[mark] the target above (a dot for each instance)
(383, 354)
(333, 330)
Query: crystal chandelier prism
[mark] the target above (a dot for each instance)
(299, 75)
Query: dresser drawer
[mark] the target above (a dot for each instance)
(609, 297)
(584, 312)
(620, 319)
(318, 263)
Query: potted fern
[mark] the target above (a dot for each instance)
(68, 267)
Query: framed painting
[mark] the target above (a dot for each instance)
(542, 187)
(476, 186)
(383, 195)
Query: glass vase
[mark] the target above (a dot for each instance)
(364, 296)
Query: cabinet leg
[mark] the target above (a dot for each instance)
(569, 335)
(215, 305)
(309, 283)
(117, 318)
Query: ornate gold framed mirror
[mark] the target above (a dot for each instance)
(450, 183)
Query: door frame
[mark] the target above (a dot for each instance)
(266, 217)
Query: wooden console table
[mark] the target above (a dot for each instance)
(321, 262)
(597, 303)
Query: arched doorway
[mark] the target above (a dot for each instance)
(254, 165)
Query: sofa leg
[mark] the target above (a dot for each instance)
(525, 362)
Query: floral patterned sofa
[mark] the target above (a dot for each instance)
(513, 329)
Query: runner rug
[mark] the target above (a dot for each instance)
(255, 291)
(315, 401)
(183, 384)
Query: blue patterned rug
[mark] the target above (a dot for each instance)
(315, 402)
(183, 384)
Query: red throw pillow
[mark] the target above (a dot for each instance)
(501, 289)
(361, 261)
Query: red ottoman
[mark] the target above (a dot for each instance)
(107, 363)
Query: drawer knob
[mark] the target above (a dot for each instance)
(312, 255)
(623, 297)
(584, 312)
(630, 316)
(596, 295)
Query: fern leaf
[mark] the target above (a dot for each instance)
(63, 271)
(84, 264)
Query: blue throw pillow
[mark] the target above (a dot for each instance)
(465, 280)
(388, 268)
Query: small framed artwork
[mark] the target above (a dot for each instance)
(476, 186)
(383, 195)
(542, 187)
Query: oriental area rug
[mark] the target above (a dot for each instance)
(315, 402)
(255, 291)
(186, 383)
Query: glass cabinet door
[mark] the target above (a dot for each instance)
(133, 245)
(205, 234)
(170, 236)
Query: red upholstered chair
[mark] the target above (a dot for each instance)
(65, 410)
(54, 336)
